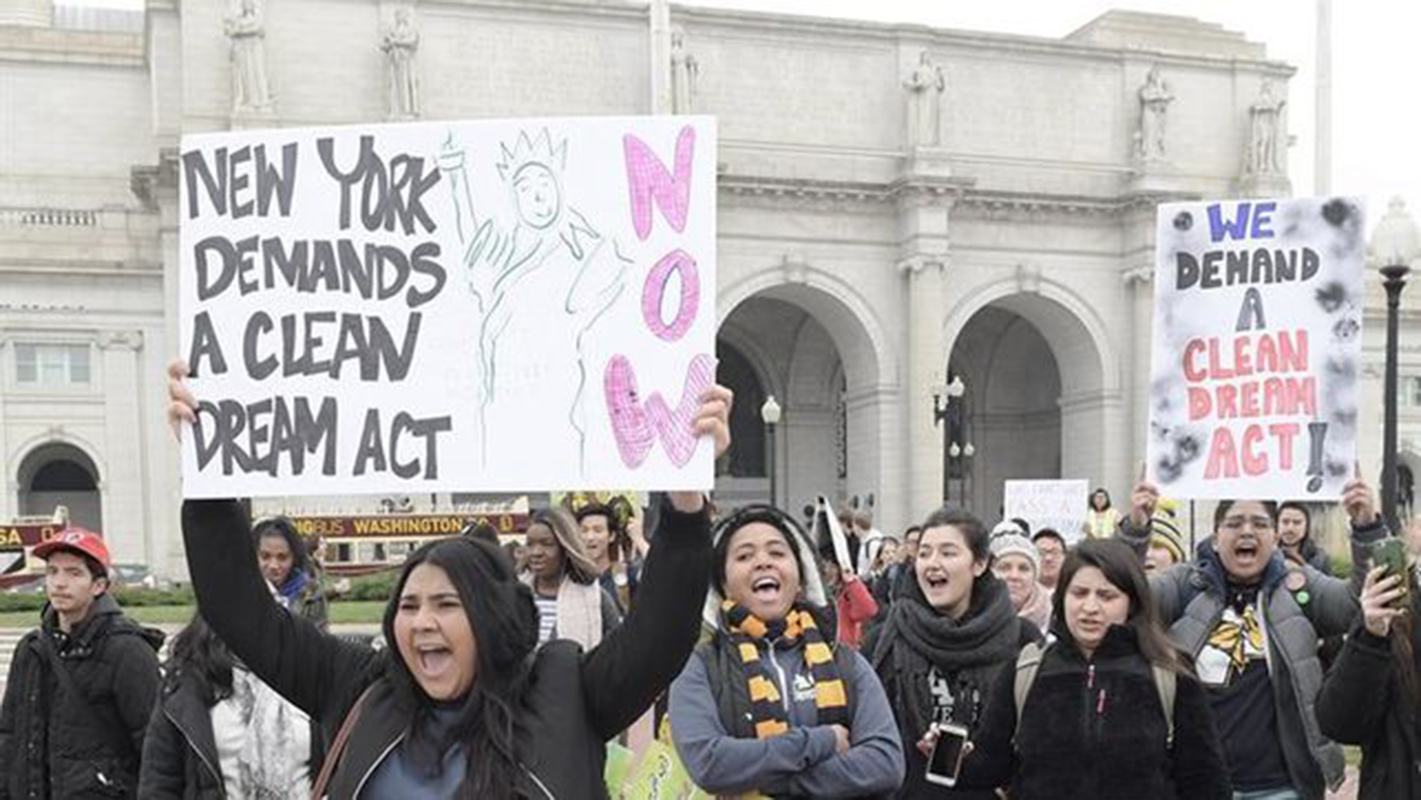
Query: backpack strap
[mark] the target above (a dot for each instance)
(328, 768)
(1167, 684)
(1028, 663)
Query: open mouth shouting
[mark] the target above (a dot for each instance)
(766, 589)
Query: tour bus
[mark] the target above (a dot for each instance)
(356, 544)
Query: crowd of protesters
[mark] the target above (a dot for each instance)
(833, 660)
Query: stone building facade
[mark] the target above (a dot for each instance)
(899, 206)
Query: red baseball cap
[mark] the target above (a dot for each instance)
(76, 540)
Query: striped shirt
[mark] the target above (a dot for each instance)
(547, 616)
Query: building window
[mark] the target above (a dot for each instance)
(1415, 393)
(52, 364)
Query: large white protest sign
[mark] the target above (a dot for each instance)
(1257, 335)
(1059, 505)
(449, 306)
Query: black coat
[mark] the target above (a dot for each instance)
(180, 754)
(54, 744)
(1095, 729)
(1362, 703)
(574, 701)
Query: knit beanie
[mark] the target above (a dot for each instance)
(1008, 540)
(1164, 533)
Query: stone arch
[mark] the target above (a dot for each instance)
(1083, 423)
(56, 472)
(836, 333)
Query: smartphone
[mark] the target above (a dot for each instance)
(946, 758)
(1391, 553)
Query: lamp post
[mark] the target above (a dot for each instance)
(1395, 243)
(947, 407)
(770, 414)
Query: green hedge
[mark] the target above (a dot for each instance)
(128, 598)
(376, 586)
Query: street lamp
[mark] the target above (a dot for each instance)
(770, 414)
(1395, 244)
(947, 407)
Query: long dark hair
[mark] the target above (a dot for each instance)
(286, 529)
(504, 621)
(199, 655)
(1122, 567)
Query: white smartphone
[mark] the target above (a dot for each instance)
(946, 758)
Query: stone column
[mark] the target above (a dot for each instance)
(1139, 283)
(927, 360)
(125, 524)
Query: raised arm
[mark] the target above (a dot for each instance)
(310, 668)
(633, 665)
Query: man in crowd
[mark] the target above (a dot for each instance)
(1295, 536)
(1250, 620)
(81, 687)
(1052, 550)
(605, 542)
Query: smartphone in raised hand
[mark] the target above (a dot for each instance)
(1391, 553)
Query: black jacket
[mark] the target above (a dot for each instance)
(1095, 729)
(1362, 703)
(574, 702)
(180, 754)
(56, 744)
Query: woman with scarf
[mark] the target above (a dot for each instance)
(1086, 718)
(771, 704)
(571, 602)
(949, 635)
(462, 703)
(1016, 562)
(290, 570)
(218, 731)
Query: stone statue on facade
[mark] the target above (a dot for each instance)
(1155, 98)
(1265, 129)
(250, 91)
(925, 87)
(400, 45)
(684, 72)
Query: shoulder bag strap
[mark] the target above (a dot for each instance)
(318, 790)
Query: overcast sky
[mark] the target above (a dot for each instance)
(1376, 116)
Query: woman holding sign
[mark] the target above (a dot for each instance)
(459, 704)
(942, 644)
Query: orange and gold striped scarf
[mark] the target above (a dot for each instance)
(767, 706)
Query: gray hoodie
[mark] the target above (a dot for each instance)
(801, 762)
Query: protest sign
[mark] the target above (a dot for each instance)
(1059, 505)
(448, 306)
(1257, 336)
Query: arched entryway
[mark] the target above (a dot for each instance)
(60, 474)
(817, 356)
(1038, 392)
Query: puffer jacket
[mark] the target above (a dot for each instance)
(54, 744)
(1297, 613)
(573, 703)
